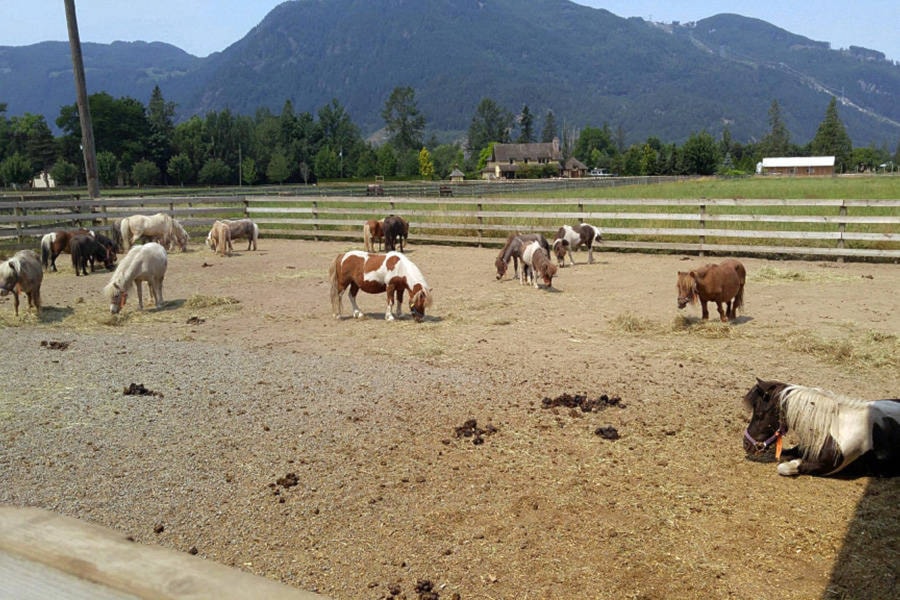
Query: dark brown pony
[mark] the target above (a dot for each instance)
(85, 249)
(373, 230)
(55, 243)
(512, 251)
(392, 273)
(721, 283)
(396, 230)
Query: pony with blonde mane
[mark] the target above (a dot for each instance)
(22, 273)
(832, 431)
(373, 230)
(721, 283)
(392, 273)
(219, 239)
(160, 228)
(143, 263)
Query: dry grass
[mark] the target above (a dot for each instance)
(869, 349)
(774, 274)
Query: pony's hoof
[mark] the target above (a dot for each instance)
(388, 317)
(790, 468)
(358, 314)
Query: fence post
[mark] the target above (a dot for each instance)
(19, 210)
(480, 219)
(842, 211)
(246, 207)
(702, 226)
(315, 216)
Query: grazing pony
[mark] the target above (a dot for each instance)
(22, 273)
(219, 238)
(115, 234)
(721, 283)
(536, 264)
(161, 228)
(570, 238)
(146, 262)
(832, 431)
(396, 229)
(373, 230)
(85, 249)
(243, 229)
(55, 243)
(512, 250)
(375, 273)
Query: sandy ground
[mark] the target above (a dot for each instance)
(324, 453)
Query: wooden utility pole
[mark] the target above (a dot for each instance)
(84, 110)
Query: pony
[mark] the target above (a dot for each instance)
(243, 228)
(512, 251)
(161, 228)
(396, 229)
(570, 238)
(392, 273)
(55, 243)
(536, 264)
(85, 249)
(721, 283)
(219, 238)
(373, 230)
(22, 273)
(115, 234)
(832, 431)
(146, 262)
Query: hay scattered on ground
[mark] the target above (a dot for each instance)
(202, 301)
(774, 275)
(870, 349)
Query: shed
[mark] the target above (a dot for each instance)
(456, 175)
(797, 165)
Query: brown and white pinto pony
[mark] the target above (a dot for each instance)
(55, 243)
(391, 273)
(22, 273)
(536, 264)
(512, 251)
(721, 283)
(373, 230)
(396, 230)
(570, 238)
(831, 430)
(219, 239)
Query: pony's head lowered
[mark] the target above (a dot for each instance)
(687, 288)
(560, 249)
(766, 424)
(419, 300)
(116, 295)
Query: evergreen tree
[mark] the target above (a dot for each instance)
(778, 141)
(831, 139)
(526, 126)
(278, 169)
(491, 123)
(551, 129)
(160, 116)
(402, 119)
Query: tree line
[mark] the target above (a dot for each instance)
(140, 145)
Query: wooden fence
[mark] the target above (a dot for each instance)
(797, 227)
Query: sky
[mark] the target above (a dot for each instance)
(201, 27)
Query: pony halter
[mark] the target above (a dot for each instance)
(764, 445)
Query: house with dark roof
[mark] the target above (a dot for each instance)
(516, 161)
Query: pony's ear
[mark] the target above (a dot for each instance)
(116, 285)
(694, 275)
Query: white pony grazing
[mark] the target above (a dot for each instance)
(146, 262)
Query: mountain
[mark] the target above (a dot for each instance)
(587, 65)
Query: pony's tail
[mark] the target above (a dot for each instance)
(125, 232)
(255, 234)
(738, 298)
(45, 252)
(367, 237)
(334, 278)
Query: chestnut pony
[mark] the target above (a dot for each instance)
(373, 230)
(721, 283)
(392, 273)
(536, 264)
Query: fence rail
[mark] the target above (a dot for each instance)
(858, 228)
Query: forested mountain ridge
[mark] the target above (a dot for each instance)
(587, 65)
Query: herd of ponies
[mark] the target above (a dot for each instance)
(832, 431)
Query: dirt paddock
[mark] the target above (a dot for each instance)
(371, 459)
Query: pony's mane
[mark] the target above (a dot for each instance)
(687, 287)
(809, 413)
(411, 272)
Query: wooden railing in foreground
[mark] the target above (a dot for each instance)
(799, 227)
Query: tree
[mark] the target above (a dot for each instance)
(108, 168)
(15, 170)
(338, 133)
(327, 163)
(402, 119)
(180, 168)
(426, 165)
(446, 157)
(64, 173)
(831, 138)
(491, 123)
(120, 126)
(278, 169)
(594, 146)
(700, 154)
(526, 126)
(160, 117)
(248, 171)
(145, 172)
(778, 141)
(551, 129)
(215, 172)
(386, 160)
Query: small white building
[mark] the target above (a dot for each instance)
(796, 165)
(43, 181)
